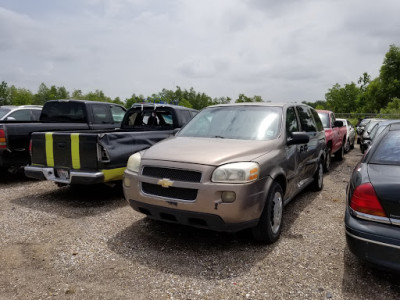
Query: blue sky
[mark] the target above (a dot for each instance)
(280, 50)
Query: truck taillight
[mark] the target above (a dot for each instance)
(3, 141)
(30, 147)
(102, 154)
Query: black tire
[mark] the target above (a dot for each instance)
(352, 145)
(328, 159)
(347, 146)
(340, 153)
(318, 182)
(269, 226)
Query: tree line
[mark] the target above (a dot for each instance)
(380, 95)
(189, 98)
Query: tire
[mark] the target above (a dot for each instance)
(318, 182)
(347, 146)
(328, 159)
(269, 226)
(352, 145)
(340, 153)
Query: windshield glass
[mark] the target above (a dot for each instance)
(324, 119)
(3, 111)
(235, 122)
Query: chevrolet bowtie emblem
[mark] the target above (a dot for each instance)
(165, 182)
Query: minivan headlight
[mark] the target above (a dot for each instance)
(240, 172)
(134, 162)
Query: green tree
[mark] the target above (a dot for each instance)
(20, 96)
(319, 104)
(134, 99)
(392, 108)
(4, 94)
(42, 95)
(342, 99)
(390, 75)
(243, 98)
(77, 94)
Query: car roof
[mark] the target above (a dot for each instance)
(265, 104)
(154, 105)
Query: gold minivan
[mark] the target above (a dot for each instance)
(232, 167)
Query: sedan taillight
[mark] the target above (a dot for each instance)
(365, 200)
(3, 141)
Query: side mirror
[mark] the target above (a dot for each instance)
(296, 138)
(175, 131)
(338, 124)
(10, 119)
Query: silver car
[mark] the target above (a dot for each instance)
(231, 167)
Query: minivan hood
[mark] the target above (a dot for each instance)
(208, 151)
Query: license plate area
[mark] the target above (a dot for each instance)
(62, 174)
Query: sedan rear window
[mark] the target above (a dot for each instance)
(388, 151)
(235, 122)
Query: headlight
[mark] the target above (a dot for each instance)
(241, 172)
(134, 162)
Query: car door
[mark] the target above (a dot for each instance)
(294, 166)
(308, 152)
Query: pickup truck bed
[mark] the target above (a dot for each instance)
(56, 115)
(98, 156)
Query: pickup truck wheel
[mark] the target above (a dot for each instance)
(269, 226)
(318, 182)
(347, 146)
(327, 165)
(340, 153)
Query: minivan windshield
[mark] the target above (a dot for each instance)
(235, 122)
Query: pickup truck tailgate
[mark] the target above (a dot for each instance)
(92, 155)
(65, 150)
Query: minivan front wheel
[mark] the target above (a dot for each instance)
(269, 226)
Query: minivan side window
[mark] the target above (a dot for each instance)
(292, 124)
(306, 119)
(317, 120)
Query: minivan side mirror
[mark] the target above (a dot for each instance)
(296, 138)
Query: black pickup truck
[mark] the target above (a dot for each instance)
(56, 115)
(100, 156)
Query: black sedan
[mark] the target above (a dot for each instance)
(372, 216)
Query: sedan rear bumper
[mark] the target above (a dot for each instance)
(376, 243)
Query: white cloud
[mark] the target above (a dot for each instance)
(279, 50)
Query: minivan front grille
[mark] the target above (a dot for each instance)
(172, 174)
(170, 192)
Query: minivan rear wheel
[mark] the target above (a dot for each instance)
(269, 226)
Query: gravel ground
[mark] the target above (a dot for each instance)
(87, 243)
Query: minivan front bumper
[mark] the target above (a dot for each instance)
(207, 209)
